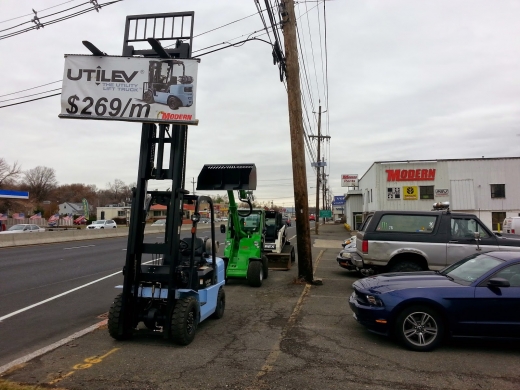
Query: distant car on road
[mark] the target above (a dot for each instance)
(159, 222)
(477, 297)
(312, 217)
(286, 220)
(103, 224)
(23, 228)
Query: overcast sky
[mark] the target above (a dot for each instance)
(406, 80)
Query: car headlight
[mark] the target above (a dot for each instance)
(374, 301)
(346, 255)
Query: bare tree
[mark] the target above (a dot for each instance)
(40, 181)
(9, 173)
(119, 191)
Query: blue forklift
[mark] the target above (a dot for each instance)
(164, 87)
(170, 284)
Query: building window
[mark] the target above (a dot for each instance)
(371, 195)
(426, 192)
(498, 190)
(121, 213)
(497, 217)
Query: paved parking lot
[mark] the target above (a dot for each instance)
(283, 335)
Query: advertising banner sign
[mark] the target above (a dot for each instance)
(442, 192)
(411, 193)
(339, 199)
(133, 89)
(349, 180)
(86, 212)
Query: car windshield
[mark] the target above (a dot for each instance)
(471, 268)
(99, 222)
(16, 227)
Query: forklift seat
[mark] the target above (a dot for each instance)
(270, 233)
(198, 251)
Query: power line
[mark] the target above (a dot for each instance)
(45, 9)
(28, 89)
(39, 24)
(31, 100)
(33, 94)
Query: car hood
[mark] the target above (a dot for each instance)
(403, 280)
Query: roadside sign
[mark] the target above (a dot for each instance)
(136, 89)
(9, 194)
(325, 214)
(349, 180)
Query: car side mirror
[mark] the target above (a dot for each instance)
(498, 282)
(222, 228)
(476, 235)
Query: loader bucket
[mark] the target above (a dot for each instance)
(227, 177)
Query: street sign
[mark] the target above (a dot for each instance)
(325, 214)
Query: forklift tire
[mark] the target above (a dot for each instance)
(148, 97)
(293, 256)
(265, 267)
(255, 273)
(114, 321)
(174, 103)
(221, 304)
(185, 319)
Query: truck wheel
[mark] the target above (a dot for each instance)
(293, 256)
(255, 273)
(405, 266)
(185, 319)
(174, 103)
(419, 328)
(221, 304)
(265, 267)
(148, 97)
(116, 328)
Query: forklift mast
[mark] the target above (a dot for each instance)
(152, 167)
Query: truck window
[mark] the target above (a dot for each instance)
(465, 227)
(407, 223)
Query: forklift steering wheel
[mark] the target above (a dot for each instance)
(183, 245)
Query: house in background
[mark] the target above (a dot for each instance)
(71, 208)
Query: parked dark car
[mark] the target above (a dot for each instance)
(478, 296)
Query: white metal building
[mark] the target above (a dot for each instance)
(486, 187)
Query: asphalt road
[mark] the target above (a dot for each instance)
(48, 292)
(283, 335)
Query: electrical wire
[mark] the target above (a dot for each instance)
(28, 89)
(33, 94)
(31, 100)
(40, 24)
(45, 9)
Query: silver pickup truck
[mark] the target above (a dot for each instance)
(400, 241)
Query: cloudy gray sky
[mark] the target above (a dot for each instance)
(406, 79)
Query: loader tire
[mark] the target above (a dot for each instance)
(255, 273)
(184, 322)
(221, 304)
(116, 328)
(265, 267)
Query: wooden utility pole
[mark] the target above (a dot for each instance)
(317, 215)
(301, 197)
(318, 165)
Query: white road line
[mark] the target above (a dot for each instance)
(63, 293)
(77, 247)
(55, 297)
(50, 347)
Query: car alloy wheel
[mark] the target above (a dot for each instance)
(420, 328)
